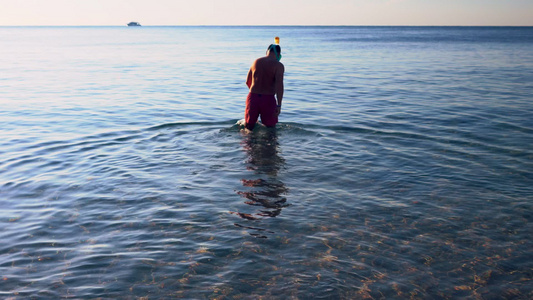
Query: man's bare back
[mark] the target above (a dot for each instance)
(265, 74)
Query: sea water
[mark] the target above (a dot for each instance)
(401, 166)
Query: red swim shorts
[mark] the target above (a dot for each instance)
(264, 105)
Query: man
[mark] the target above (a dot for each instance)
(265, 80)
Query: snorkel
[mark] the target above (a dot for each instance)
(274, 47)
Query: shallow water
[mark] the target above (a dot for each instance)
(401, 166)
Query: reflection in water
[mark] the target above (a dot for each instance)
(263, 189)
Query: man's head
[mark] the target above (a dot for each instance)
(276, 49)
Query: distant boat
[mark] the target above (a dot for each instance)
(134, 24)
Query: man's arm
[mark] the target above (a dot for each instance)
(249, 78)
(279, 83)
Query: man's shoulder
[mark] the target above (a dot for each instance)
(281, 66)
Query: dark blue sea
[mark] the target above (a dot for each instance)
(401, 168)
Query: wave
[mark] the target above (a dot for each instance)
(189, 124)
(455, 143)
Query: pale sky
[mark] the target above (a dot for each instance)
(267, 12)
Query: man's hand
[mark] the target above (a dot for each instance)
(278, 110)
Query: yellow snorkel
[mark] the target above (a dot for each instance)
(273, 47)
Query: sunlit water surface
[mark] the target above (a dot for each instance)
(401, 166)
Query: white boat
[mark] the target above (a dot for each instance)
(134, 24)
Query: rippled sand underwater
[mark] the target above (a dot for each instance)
(210, 211)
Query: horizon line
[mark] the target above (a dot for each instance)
(213, 25)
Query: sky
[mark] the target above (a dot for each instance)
(267, 12)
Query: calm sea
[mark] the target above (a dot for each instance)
(402, 166)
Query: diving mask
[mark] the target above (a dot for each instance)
(272, 47)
